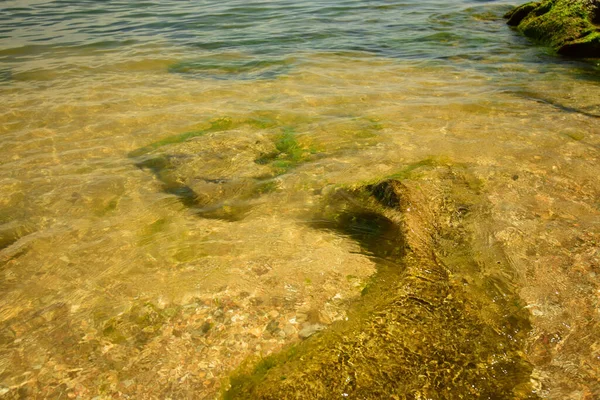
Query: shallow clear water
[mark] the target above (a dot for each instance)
(119, 275)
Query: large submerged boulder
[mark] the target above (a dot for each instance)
(570, 27)
(439, 319)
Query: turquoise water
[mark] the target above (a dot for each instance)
(162, 165)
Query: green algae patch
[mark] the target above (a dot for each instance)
(411, 171)
(368, 127)
(427, 325)
(264, 187)
(578, 136)
(288, 153)
(216, 125)
(570, 27)
(262, 120)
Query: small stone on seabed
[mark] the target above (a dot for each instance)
(310, 329)
(289, 329)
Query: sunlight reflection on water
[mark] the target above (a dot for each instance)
(103, 267)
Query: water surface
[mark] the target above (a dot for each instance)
(163, 163)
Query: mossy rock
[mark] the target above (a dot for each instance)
(221, 173)
(570, 27)
(418, 330)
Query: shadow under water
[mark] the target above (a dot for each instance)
(163, 169)
(419, 329)
(231, 68)
(379, 237)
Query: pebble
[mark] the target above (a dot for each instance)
(272, 326)
(289, 329)
(309, 330)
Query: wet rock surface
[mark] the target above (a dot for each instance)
(569, 27)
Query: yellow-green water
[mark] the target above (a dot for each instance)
(115, 280)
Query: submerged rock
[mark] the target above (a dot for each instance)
(570, 27)
(438, 320)
(309, 330)
(220, 170)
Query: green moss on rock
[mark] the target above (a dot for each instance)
(288, 154)
(421, 328)
(568, 26)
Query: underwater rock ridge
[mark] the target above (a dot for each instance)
(419, 329)
(569, 27)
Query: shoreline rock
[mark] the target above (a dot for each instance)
(570, 27)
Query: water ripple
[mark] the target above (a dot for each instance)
(261, 26)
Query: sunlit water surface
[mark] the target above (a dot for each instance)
(115, 279)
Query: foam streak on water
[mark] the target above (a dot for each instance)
(162, 164)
